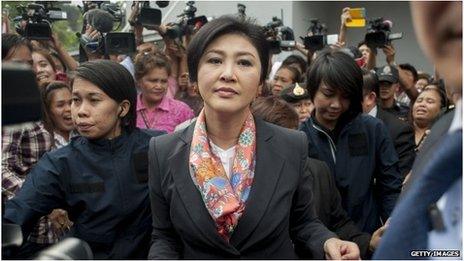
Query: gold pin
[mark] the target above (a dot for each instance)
(298, 90)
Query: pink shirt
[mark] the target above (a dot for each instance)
(166, 116)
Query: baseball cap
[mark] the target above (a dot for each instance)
(388, 74)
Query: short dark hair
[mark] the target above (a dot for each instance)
(222, 26)
(412, 69)
(275, 110)
(46, 92)
(114, 80)
(370, 82)
(144, 63)
(293, 70)
(423, 75)
(337, 70)
(296, 59)
(11, 42)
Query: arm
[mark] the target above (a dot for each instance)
(340, 223)
(165, 243)
(41, 193)
(388, 177)
(345, 17)
(22, 148)
(404, 146)
(69, 62)
(408, 85)
(305, 227)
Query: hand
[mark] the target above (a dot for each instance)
(59, 219)
(345, 17)
(336, 249)
(389, 52)
(376, 236)
(406, 79)
(91, 33)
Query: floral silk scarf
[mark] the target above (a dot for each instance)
(224, 198)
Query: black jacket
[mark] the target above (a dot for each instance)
(278, 213)
(328, 205)
(364, 163)
(402, 135)
(103, 186)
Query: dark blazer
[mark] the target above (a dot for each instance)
(402, 135)
(278, 213)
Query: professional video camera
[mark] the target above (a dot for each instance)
(317, 37)
(379, 33)
(146, 16)
(279, 37)
(101, 16)
(187, 23)
(241, 8)
(38, 17)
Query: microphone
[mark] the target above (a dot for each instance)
(101, 20)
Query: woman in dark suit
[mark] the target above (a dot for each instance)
(230, 185)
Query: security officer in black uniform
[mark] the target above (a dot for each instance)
(100, 178)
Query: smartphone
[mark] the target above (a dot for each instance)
(358, 17)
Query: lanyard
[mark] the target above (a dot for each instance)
(144, 117)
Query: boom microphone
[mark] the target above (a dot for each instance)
(101, 20)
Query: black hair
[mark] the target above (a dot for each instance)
(296, 74)
(296, 59)
(409, 67)
(116, 82)
(222, 26)
(47, 120)
(12, 41)
(337, 70)
(370, 82)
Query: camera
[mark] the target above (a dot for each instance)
(119, 43)
(187, 23)
(148, 17)
(38, 17)
(379, 33)
(279, 37)
(101, 16)
(317, 38)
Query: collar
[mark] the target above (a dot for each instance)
(163, 105)
(456, 124)
(373, 112)
(107, 144)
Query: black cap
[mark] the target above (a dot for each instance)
(294, 93)
(388, 74)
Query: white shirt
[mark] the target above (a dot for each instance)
(450, 206)
(227, 157)
(373, 112)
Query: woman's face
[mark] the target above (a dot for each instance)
(43, 70)
(329, 104)
(229, 74)
(426, 107)
(60, 109)
(154, 85)
(282, 79)
(304, 109)
(94, 113)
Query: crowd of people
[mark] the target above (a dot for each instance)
(199, 150)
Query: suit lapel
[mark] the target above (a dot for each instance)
(191, 197)
(268, 168)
